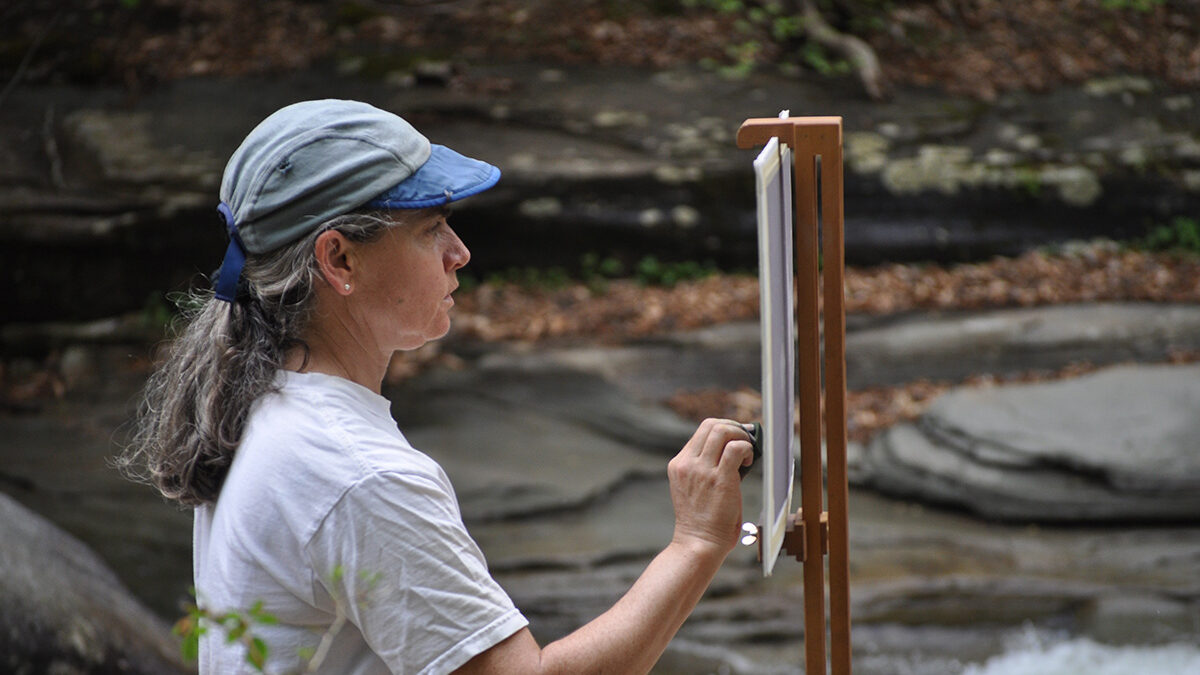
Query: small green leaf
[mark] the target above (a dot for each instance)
(190, 647)
(256, 654)
(266, 618)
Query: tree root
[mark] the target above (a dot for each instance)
(860, 55)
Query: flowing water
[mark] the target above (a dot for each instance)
(1034, 652)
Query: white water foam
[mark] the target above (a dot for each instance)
(1033, 654)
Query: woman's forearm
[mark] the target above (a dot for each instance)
(631, 636)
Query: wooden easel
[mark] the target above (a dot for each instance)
(816, 144)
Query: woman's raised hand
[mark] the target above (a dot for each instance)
(706, 486)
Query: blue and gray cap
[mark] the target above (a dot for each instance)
(316, 160)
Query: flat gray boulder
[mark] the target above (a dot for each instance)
(891, 350)
(652, 369)
(63, 611)
(955, 345)
(523, 442)
(1119, 445)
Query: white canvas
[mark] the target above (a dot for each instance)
(773, 178)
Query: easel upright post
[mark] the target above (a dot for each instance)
(833, 233)
(808, 379)
(816, 144)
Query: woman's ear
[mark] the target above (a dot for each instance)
(332, 251)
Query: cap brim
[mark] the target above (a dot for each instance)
(445, 177)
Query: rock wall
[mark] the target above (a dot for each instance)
(105, 202)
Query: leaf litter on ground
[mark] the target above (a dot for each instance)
(625, 311)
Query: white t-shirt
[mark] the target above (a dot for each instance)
(327, 504)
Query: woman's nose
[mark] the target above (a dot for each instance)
(457, 255)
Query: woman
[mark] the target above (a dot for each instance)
(266, 417)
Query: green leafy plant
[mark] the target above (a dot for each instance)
(591, 266)
(816, 57)
(1030, 181)
(552, 278)
(753, 22)
(652, 272)
(1135, 5)
(744, 56)
(596, 272)
(758, 24)
(1180, 234)
(238, 625)
(235, 624)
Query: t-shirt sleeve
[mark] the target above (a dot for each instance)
(395, 553)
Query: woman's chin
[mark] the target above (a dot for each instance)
(416, 341)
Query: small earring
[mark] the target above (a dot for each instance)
(346, 286)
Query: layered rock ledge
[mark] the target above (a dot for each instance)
(116, 200)
(1117, 445)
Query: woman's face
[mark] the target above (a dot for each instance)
(406, 279)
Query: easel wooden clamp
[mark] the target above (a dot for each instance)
(816, 145)
(795, 543)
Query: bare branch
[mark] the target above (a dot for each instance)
(860, 55)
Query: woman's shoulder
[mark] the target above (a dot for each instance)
(333, 426)
(312, 442)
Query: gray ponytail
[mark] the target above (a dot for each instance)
(223, 358)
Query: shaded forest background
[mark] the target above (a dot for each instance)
(978, 48)
(975, 47)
